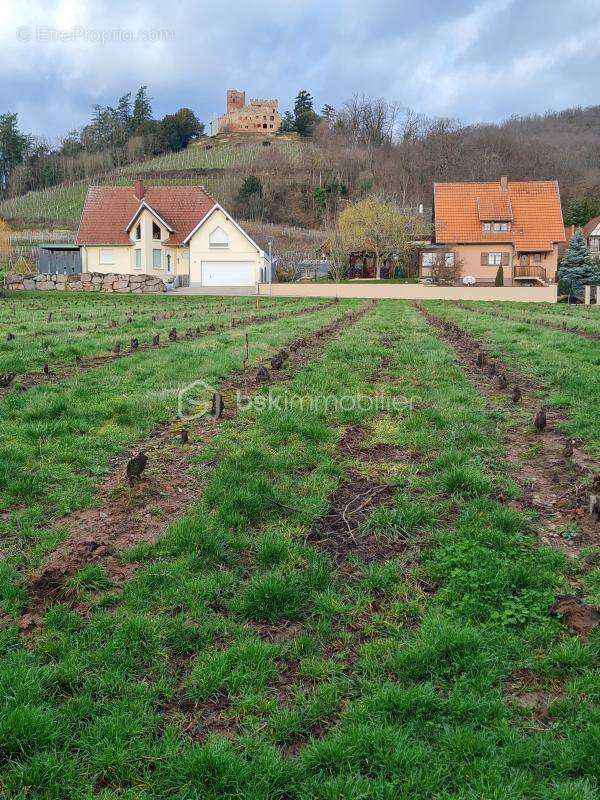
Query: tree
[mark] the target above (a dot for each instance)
(305, 118)
(445, 268)
(499, 276)
(124, 109)
(378, 227)
(142, 108)
(577, 269)
(250, 197)
(368, 122)
(325, 197)
(288, 124)
(303, 103)
(177, 130)
(338, 254)
(13, 147)
(328, 113)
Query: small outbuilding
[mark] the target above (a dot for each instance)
(60, 259)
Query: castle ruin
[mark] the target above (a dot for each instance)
(259, 116)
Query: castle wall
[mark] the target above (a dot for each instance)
(259, 116)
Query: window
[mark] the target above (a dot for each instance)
(107, 257)
(494, 259)
(168, 262)
(524, 260)
(449, 259)
(155, 231)
(427, 259)
(218, 238)
(594, 244)
(138, 231)
(138, 259)
(157, 259)
(537, 257)
(495, 226)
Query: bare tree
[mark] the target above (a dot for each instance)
(446, 268)
(368, 122)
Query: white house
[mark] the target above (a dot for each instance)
(167, 231)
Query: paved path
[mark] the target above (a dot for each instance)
(224, 291)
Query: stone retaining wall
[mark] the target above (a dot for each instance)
(87, 282)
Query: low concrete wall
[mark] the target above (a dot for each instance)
(86, 282)
(413, 291)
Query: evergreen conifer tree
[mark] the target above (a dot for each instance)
(577, 269)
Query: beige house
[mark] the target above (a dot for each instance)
(171, 232)
(479, 227)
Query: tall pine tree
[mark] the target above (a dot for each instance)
(142, 108)
(577, 269)
(305, 118)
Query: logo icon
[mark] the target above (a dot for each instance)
(195, 400)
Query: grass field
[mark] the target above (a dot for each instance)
(340, 593)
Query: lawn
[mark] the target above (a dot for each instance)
(351, 600)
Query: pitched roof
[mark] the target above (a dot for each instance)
(591, 226)
(109, 209)
(532, 207)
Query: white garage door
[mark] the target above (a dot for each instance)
(228, 273)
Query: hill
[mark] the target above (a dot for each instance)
(302, 182)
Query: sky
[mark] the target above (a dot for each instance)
(475, 60)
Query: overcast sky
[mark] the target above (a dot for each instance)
(473, 59)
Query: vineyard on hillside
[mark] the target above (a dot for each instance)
(220, 169)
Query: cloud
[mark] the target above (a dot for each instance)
(467, 59)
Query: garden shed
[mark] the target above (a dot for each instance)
(62, 259)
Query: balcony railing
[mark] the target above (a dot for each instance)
(529, 272)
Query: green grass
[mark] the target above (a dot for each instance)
(86, 326)
(582, 318)
(564, 364)
(378, 680)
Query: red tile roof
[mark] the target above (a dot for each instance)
(494, 206)
(590, 226)
(109, 209)
(536, 221)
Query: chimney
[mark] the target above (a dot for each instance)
(139, 190)
(504, 183)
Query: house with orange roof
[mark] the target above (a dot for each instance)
(591, 231)
(168, 232)
(479, 227)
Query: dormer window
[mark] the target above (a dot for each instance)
(496, 227)
(218, 238)
(155, 231)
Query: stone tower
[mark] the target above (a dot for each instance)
(235, 100)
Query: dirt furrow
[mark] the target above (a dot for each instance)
(30, 379)
(554, 483)
(126, 516)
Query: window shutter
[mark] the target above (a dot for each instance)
(505, 259)
(484, 259)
